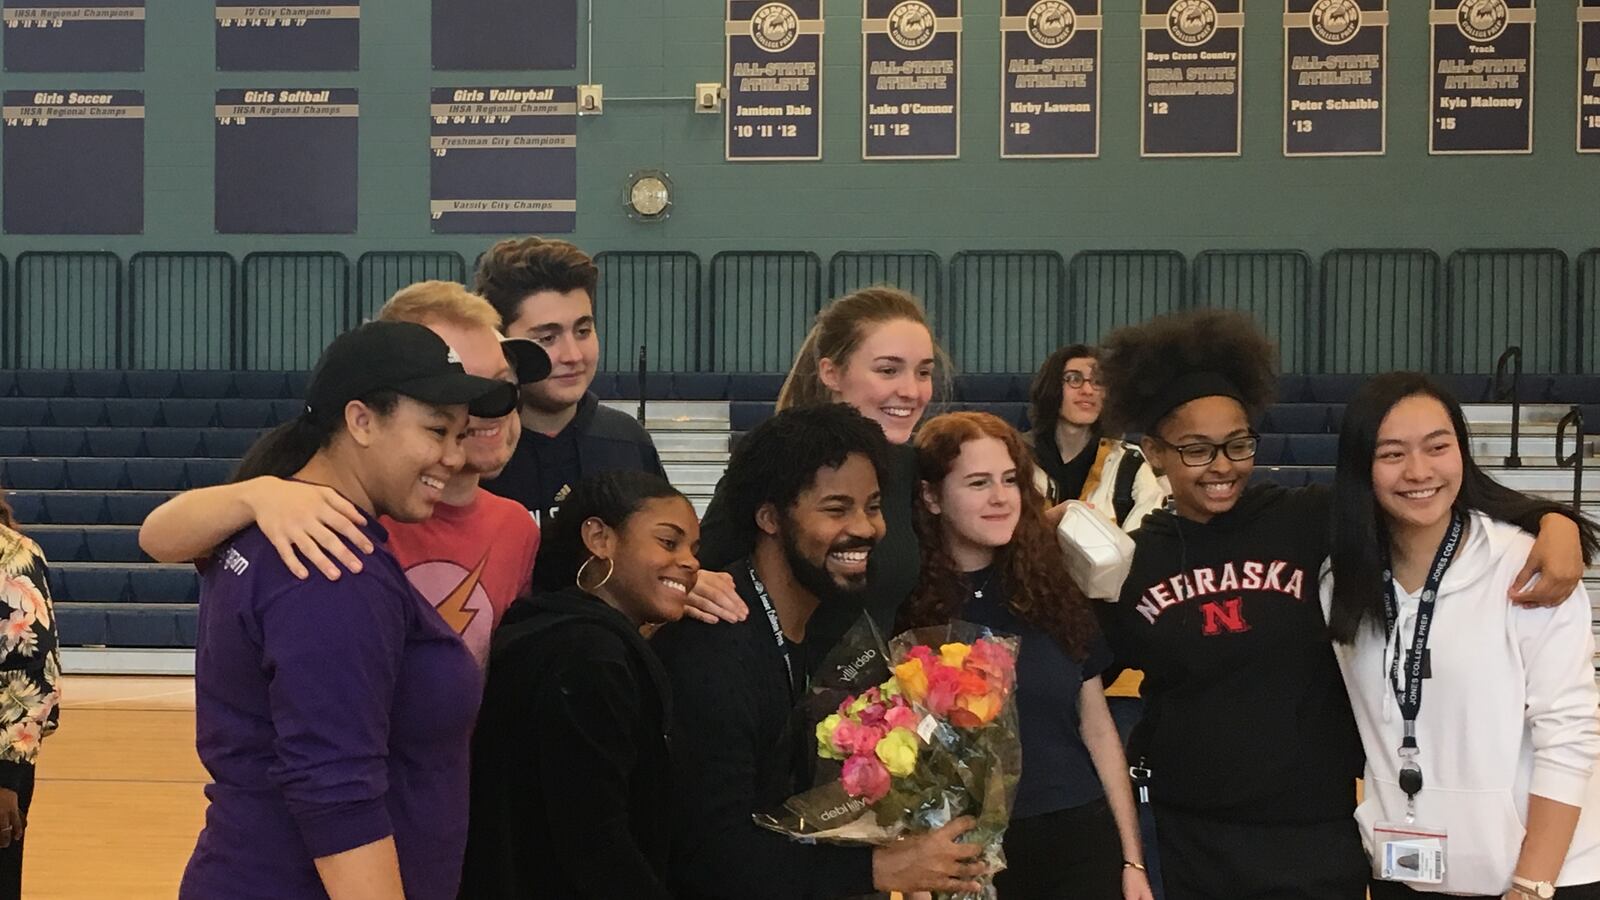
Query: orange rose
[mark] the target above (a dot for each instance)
(913, 680)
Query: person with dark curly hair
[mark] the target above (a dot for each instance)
(1248, 734)
(1076, 459)
(991, 558)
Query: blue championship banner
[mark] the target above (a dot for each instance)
(479, 35)
(1335, 77)
(1049, 78)
(286, 161)
(504, 160)
(774, 72)
(74, 162)
(74, 35)
(1481, 86)
(1191, 74)
(289, 37)
(1589, 76)
(911, 79)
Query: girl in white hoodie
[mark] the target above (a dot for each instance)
(1503, 734)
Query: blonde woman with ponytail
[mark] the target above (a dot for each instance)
(872, 349)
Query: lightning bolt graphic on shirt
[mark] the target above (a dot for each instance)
(453, 608)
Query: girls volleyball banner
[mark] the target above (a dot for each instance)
(1335, 77)
(73, 35)
(1482, 81)
(911, 79)
(1589, 76)
(504, 160)
(286, 161)
(289, 37)
(1191, 75)
(774, 77)
(74, 162)
(1050, 78)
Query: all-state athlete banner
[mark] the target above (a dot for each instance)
(774, 77)
(74, 35)
(1191, 74)
(289, 37)
(505, 34)
(74, 162)
(1589, 76)
(504, 160)
(286, 161)
(1049, 78)
(1335, 77)
(1482, 78)
(911, 79)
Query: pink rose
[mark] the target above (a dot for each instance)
(866, 777)
(873, 716)
(943, 685)
(854, 737)
(995, 661)
(901, 717)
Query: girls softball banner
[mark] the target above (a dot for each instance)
(74, 162)
(1049, 78)
(911, 73)
(1482, 80)
(774, 78)
(504, 160)
(1191, 76)
(286, 161)
(289, 37)
(1335, 77)
(74, 35)
(1589, 76)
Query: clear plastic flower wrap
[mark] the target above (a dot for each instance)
(910, 736)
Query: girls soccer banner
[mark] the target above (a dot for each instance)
(289, 37)
(1191, 75)
(1335, 77)
(74, 162)
(911, 79)
(286, 161)
(504, 160)
(774, 78)
(1589, 76)
(1049, 78)
(74, 35)
(505, 34)
(1482, 78)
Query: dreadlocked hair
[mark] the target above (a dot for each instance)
(1138, 361)
(1038, 587)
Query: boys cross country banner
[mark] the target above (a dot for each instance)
(74, 35)
(74, 162)
(911, 79)
(288, 37)
(505, 34)
(1589, 76)
(1482, 79)
(774, 78)
(504, 160)
(1049, 78)
(1335, 77)
(286, 161)
(1191, 74)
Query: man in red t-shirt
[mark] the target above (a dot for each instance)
(470, 560)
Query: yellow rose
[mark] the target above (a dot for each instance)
(898, 752)
(913, 680)
(983, 707)
(954, 655)
(825, 730)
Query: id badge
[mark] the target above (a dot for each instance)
(1408, 852)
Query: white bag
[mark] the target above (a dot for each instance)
(1099, 554)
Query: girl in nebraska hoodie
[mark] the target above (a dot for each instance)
(1506, 729)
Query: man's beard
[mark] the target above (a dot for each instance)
(817, 579)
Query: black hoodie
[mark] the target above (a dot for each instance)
(570, 764)
(1246, 716)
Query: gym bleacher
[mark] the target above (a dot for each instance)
(119, 392)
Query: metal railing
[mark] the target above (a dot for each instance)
(1574, 419)
(1513, 392)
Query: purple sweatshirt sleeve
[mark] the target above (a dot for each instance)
(332, 655)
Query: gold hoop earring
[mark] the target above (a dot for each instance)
(611, 567)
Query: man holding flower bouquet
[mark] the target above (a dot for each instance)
(806, 483)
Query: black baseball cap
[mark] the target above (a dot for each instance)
(408, 359)
(529, 360)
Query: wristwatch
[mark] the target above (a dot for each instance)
(1538, 890)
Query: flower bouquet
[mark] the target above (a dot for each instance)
(909, 737)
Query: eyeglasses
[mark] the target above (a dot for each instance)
(1202, 453)
(1078, 379)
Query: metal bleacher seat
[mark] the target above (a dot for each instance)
(186, 413)
(45, 383)
(172, 442)
(156, 474)
(1300, 418)
(228, 443)
(99, 383)
(205, 385)
(156, 385)
(97, 474)
(72, 412)
(140, 412)
(261, 385)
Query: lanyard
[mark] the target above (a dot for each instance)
(777, 627)
(1408, 689)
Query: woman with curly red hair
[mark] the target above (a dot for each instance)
(990, 557)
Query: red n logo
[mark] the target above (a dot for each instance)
(1225, 615)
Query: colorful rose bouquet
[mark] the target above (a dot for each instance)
(910, 737)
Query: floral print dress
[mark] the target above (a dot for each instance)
(30, 660)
